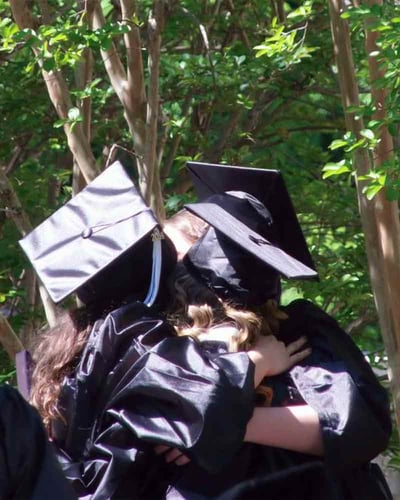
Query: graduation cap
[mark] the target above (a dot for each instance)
(253, 240)
(103, 244)
(269, 187)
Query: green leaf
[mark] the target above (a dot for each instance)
(371, 190)
(368, 133)
(358, 144)
(331, 169)
(337, 144)
(59, 123)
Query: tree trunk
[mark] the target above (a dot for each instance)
(377, 215)
(387, 216)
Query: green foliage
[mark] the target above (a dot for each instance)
(382, 20)
(287, 47)
(61, 44)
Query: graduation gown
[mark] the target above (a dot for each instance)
(138, 385)
(354, 415)
(28, 466)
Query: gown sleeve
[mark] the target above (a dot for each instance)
(138, 383)
(28, 466)
(339, 384)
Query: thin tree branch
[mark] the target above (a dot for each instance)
(167, 166)
(9, 338)
(16, 154)
(206, 43)
(216, 152)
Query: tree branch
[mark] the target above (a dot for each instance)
(153, 187)
(216, 152)
(131, 98)
(111, 59)
(83, 77)
(61, 99)
(166, 170)
(9, 339)
(133, 46)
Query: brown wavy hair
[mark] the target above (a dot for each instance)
(196, 309)
(56, 353)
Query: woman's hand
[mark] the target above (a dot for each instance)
(171, 455)
(272, 356)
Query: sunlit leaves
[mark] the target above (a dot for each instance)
(63, 43)
(285, 47)
(333, 169)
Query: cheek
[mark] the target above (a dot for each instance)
(181, 242)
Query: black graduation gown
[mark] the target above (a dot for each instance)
(138, 384)
(28, 466)
(355, 420)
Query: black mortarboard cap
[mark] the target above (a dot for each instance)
(100, 244)
(249, 245)
(269, 187)
(237, 257)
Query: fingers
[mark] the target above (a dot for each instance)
(299, 356)
(182, 460)
(171, 455)
(296, 345)
(161, 448)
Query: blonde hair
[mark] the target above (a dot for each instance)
(196, 309)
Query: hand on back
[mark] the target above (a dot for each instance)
(272, 357)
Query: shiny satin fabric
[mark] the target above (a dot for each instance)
(91, 231)
(354, 415)
(138, 385)
(269, 187)
(28, 466)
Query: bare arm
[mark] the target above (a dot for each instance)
(294, 428)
